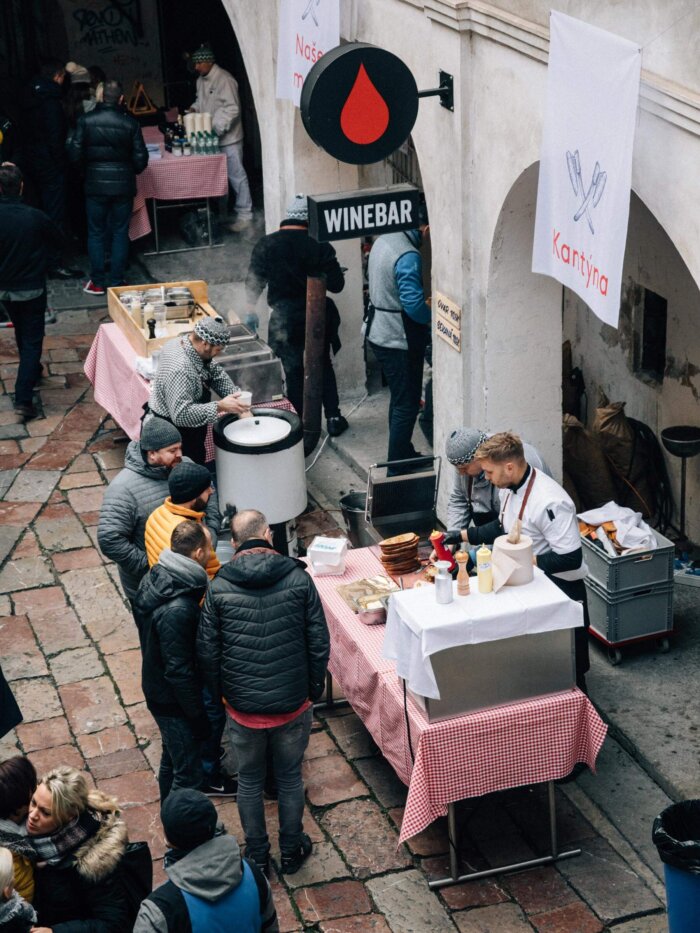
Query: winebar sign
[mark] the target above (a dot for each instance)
(367, 212)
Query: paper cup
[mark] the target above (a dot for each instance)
(246, 398)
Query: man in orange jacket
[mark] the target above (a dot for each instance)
(190, 486)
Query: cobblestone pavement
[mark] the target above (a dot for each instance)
(69, 647)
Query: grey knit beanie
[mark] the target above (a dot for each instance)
(213, 331)
(157, 433)
(462, 444)
(298, 209)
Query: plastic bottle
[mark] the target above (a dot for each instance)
(484, 570)
(193, 143)
(200, 143)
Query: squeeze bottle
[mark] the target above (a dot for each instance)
(484, 570)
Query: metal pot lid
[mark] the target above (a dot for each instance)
(257, 431)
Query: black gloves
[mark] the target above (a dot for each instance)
(453, 537)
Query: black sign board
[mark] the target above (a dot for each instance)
(369, 212)
(359, 103)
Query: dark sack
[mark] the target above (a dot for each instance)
(676, 835)
(629, 456)
(137, 874)
(585, 464)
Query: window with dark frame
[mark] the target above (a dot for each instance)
(651, 337)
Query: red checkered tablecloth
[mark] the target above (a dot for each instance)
(467, 756)
(111, 368)
(175, 178)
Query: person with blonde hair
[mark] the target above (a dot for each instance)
(16, 915)
(80, 839)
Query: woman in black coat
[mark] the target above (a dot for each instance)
(80, 841)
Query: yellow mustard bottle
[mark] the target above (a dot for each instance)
(484, 570)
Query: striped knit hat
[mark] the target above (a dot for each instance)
(462, 444)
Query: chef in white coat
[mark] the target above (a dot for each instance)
(548, 516)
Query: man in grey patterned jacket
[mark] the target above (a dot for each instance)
(182, 388)
(134, 493)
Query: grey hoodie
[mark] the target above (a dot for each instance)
(210, 871)
(130, 498)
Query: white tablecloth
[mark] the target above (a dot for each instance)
(417, 626)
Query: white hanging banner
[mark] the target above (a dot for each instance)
(583, 196)
(307, 29)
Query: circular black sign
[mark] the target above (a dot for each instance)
(359, 103)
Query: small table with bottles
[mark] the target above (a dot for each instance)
(177, 181)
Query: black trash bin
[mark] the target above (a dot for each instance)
(676, 835)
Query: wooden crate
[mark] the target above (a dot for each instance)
(137, 336)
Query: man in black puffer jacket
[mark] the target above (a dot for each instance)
(263, 645)
(166, 610)
(109, 143)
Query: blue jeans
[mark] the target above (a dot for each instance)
(211, 747)
(238, 179)
(403, 371)
(288, 744)
(105, 214)
(28, 320)
(180, 764)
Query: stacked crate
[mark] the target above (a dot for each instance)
(630, 597)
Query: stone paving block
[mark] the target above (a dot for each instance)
(113, 739)
(324, 864)
(28, 546)
(48, 733)
(21, 656)
(125, 668)
(656, 923)
(90, 518)
(100, 609)
(88, 499)
(381, 779)
(62, 368)
(10, 417)
(408, 904)
(539, 889)
(503, 918)
(34, 486)
(62, 355)
(365, 838)
(25, 574)
(331, 779)
(55, 454)
(63, 533)
(75, 665)
(9, 745)
(7, 477)
(320, 745)
(143, 823)
(364, 923)
(58, 630)
(41, 602)
(47, 758)
(5, 606)
(112, 458)
(117, 763)
(9, 535)
(8, 446)
(12, 430)
(41, 427)
(12, 461)
(565, 919)
(92, 705)
(352, 736)
(77, 480)
(144, 724)
(605, 881)
(76, 560)
(83, 463)
(337, 899)
(37, 699)
(432, 841)
(287, 919)
(30, 445)
(18, 513)
(132, 789)
(153, 752)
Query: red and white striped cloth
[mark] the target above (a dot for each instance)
(467, 756)
(175, 178)
(111, 368)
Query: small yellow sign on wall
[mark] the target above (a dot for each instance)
(448, 321)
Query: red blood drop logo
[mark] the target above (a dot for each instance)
(365, 115)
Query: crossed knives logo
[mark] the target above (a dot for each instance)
(590, 197)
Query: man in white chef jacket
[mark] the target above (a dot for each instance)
(217, 94)
(548, 516)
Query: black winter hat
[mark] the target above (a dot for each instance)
(189, 819)
(157, 433)
(187, 481)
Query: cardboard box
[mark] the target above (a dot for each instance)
(137, 336)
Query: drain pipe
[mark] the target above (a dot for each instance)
(313, 360)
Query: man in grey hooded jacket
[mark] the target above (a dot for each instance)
(210, 885)
(134, 493)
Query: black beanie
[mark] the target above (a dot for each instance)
(187, 481)
(189, 819)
